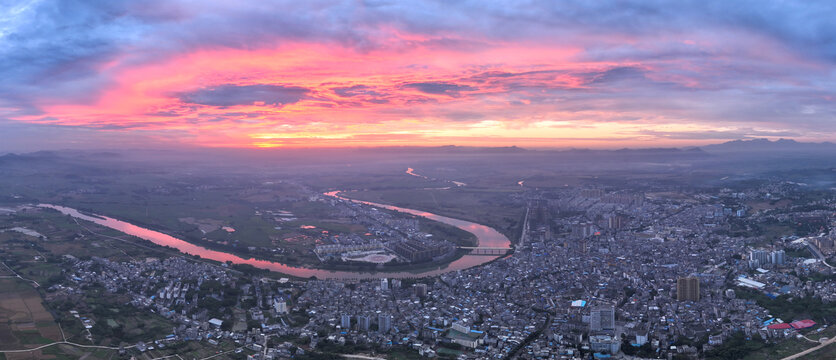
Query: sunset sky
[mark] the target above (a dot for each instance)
(169, 73)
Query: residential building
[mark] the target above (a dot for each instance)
(688, 289)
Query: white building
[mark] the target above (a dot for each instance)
(280, 307)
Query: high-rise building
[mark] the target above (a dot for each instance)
(641, 338)
(602, 318)
(384, 323)
(688, 289)
(384, 284)
(345, 321)
(825, 243)
(280, 307)
(592, 193)
(777, 257)
(421, 290)
(616, 222)
(582, 230)
(363, 322)
(758, 258)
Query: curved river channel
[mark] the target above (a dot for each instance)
(487, 237)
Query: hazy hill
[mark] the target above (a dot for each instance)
(777, 146)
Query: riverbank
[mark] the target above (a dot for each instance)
(484, 234)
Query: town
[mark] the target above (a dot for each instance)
(596, 272)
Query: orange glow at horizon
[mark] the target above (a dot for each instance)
(316, 95)
(263, 74)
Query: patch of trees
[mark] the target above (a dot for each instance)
(790, 308)
(644, 351)
(736, 347)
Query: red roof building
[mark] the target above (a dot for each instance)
(803, 324)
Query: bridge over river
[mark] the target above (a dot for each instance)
(485, 250)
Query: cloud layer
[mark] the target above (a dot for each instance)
(357, 73)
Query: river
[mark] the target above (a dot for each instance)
(487, 237)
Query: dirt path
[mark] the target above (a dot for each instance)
(805, 352)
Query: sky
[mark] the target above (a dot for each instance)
(595, 74)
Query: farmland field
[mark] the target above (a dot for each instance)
(24, 322)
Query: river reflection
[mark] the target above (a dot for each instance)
(487, 237)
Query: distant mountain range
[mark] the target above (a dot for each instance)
(28, 157)
(765, 145)
(754, 145)
(737, 146)
(451, 149)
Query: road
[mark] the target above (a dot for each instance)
(524, 234)
(110, 348)
(206, 358)
(219, 354)
(805, 352)
(66, 343)
(530, 338)
(16, 275)
(817, 253)
(361, 357)
(168, 357)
